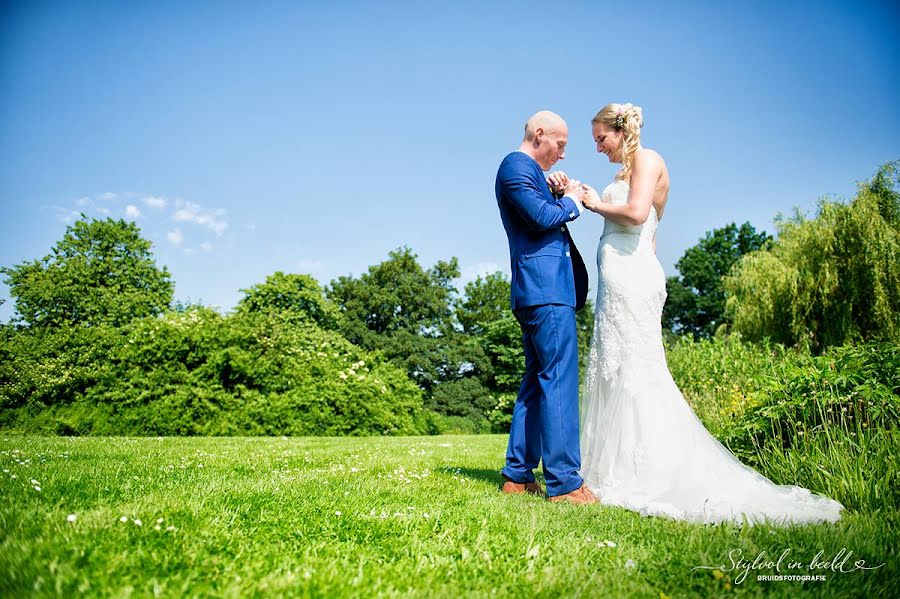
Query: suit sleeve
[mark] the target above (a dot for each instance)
(523, 194)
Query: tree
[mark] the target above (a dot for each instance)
(696, 298)
(486, 300)
(485, 313)
(830, 280)
(396, 295)
(296, 294)
(102, 271)
(407, 312)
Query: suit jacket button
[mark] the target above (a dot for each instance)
(567, 255)
(563, 229)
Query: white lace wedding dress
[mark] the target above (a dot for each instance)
(642, 447)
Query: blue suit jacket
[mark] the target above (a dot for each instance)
(546, 266)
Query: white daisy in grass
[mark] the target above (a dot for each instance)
(71, 517)
(137, 522)
(123, 519)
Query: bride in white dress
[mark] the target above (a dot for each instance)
(642, 447)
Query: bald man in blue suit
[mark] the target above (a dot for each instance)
(549, 283)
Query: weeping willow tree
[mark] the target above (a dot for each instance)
(830, 280)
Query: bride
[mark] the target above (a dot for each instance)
(642, 447)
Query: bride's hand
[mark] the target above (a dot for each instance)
(590, 199)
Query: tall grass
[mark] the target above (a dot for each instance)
(827, 422)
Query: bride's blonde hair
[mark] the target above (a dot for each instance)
(629, 119)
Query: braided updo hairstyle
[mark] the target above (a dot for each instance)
(629, 119)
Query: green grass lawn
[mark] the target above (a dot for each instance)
(411, 516)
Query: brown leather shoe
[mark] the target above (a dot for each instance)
(581, 496)
(514, 488)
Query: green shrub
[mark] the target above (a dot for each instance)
(197, 372)
(295, 295)
(466, 398)
(722, 376)
(851, 389)
(41, 366)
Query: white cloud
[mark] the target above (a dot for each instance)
(66, 215)
(155, 201)
(193, 213)
(152, 211)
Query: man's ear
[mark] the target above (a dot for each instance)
(538, 135)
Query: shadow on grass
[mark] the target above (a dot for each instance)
(491, 477)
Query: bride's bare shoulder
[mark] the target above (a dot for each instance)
(651, 156)
(652, 161)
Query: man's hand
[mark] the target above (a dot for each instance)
(590, 199)
(558, 181)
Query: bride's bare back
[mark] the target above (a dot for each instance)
(655, 175)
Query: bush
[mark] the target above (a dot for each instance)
(297, 296)
(465, 398)
(40, 366)
(847, 388)
(197, 372)
(723, 376)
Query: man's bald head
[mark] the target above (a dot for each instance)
(546, 134)
(547, 121)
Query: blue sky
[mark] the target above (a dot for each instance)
(246, 138)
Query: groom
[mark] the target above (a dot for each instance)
(549, 282)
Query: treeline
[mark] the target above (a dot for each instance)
(98, 346)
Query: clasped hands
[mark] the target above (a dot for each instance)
(560, 182)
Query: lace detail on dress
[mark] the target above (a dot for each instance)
(625, 322)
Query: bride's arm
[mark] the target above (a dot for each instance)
(645, 173)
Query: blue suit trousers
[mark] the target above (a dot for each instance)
(545, 417)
